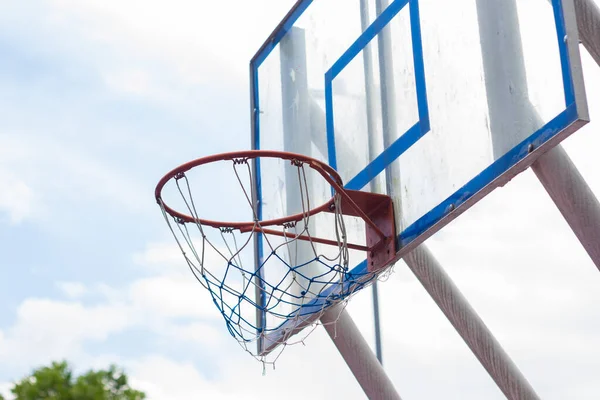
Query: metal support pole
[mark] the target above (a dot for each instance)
(556, 171)
(358, 355)
(588, 22)
(468, 324)
(573, 197)
(377, 324)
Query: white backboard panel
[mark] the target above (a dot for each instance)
(433, 102)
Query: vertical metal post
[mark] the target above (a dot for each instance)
(556, 171)
(367, 370)
(377, 324)
(374, 146)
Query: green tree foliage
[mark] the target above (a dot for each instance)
(57, 382)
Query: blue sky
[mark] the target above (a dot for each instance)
(98, 99)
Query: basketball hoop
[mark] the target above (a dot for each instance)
(317, 292)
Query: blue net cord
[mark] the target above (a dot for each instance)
(256, 303)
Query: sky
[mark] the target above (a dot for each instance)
(98, 99)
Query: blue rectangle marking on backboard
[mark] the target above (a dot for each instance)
(419, 66)
(410, 137)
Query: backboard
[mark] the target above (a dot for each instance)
(433, 102)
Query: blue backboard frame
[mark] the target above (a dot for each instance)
(500, 171)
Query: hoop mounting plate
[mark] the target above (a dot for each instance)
(380, 209)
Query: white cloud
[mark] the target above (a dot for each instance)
(148, 48)
(160, 256)
(48, 330)
(177, 34)
(315, 370)
(162, 378)
(199, 333)
(161, 54)
(73, 290)
(16, 197)
(173, 291)
(60, 174)
(172, 297)
(134, 81)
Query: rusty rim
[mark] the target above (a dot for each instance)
(328, 173)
